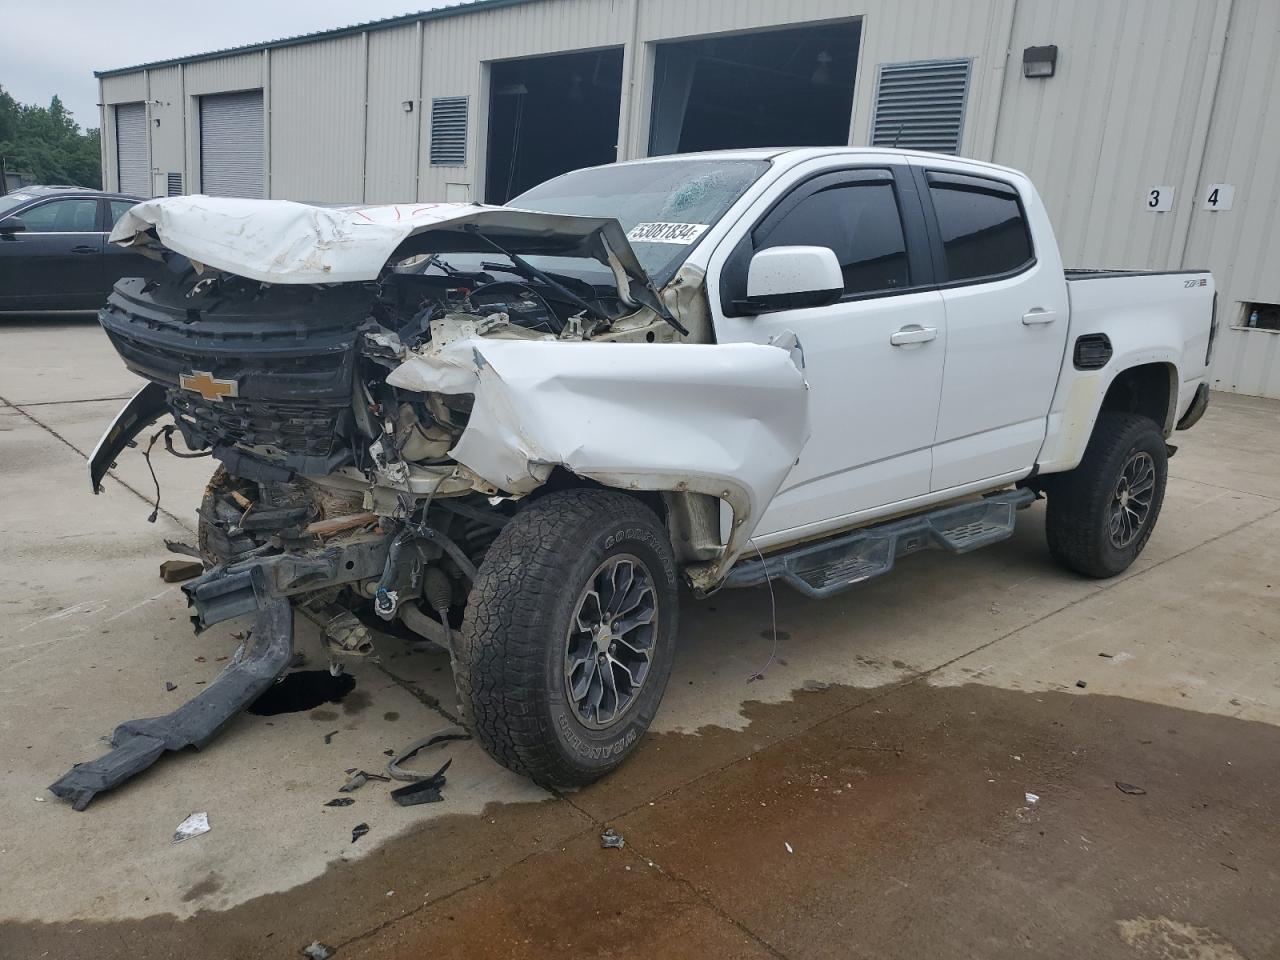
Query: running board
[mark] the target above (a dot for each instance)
(825, 568)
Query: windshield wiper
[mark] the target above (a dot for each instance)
(533, 273)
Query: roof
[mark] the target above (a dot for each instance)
(440, 13)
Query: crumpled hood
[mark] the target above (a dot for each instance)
(279, 241)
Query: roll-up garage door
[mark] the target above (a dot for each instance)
(231, 158)
(131, 149)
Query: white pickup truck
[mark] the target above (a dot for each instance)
(514, 430)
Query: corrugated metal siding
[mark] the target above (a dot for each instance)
(1242, 245)
(317, 121)
(391, 151)
(225, 74)
(168, 139)
(1116, 119)
(124, 89)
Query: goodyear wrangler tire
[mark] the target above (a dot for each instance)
(567, 643)
(1101, 514)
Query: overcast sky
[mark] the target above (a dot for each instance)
(53, 46)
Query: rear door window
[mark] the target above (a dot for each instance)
(62, 216)
(118, 209)
(861, 223)
(983, 227)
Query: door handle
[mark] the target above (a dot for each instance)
(1037, 315)
(82, 248)
(913, 333)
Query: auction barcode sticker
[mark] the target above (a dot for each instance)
(681, 233)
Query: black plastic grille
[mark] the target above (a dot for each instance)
(309, 429)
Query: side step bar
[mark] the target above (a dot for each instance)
(825, 568)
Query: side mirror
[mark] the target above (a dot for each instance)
(12, 225)
(791, 278)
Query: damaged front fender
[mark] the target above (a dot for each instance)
(727, 420)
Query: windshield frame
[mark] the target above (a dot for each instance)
(663, 274)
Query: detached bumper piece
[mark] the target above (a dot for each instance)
(822, 569)
(139, 743)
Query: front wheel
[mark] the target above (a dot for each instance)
(567, 643)
(1101, 514)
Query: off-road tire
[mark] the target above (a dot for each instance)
(509, 655)
(1077, 521)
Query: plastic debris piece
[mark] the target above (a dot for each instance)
(359, 831)
(170, 686)
(340, 802)
(317, 951)
(612, 840)
(193, 826)
(422, 791)
(1033, 799)
(1109, 656)
(388, 753)
(1081, 684)
(359, 778)
(174, 571)
(788, 846)
(328, 737)
(396, 771)
(1130, 789)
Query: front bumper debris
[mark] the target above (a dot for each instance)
(137, 744)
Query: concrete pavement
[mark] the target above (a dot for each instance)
(868, 797)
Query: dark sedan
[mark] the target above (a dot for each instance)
(54, 253)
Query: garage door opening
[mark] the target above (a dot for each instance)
(232, 161)
(549, 115)
(774, 88)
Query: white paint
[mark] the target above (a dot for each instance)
(727, 420)
(278, 241)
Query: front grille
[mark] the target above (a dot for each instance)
(308, 430)
(291, 353)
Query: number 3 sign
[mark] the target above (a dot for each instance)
(1159, 199)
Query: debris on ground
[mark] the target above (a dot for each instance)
(788, 846)
(175, 571)
(328, 737)
(318, 951)
(1109, 656)
(170, 686)
(1032, 799)
(201, 659)
(1130, 789)
(193, 826)
(1081, 684)
(358, 831)
(394, 767)
(359, 778)
(340, 802)
(612, 840)
(426, 790)
(137, 744)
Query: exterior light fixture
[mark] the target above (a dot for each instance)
(407, 106)
(1039, 62)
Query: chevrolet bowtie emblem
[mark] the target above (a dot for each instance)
(208, 386)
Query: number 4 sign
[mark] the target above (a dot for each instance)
(1160, 199)
(1218, 196)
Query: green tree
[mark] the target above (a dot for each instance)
(47, 145)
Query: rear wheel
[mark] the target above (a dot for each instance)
(566, 647)
(1101, 514)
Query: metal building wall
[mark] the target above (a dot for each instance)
(1242, 245)
(392, 146)
(317, 113)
